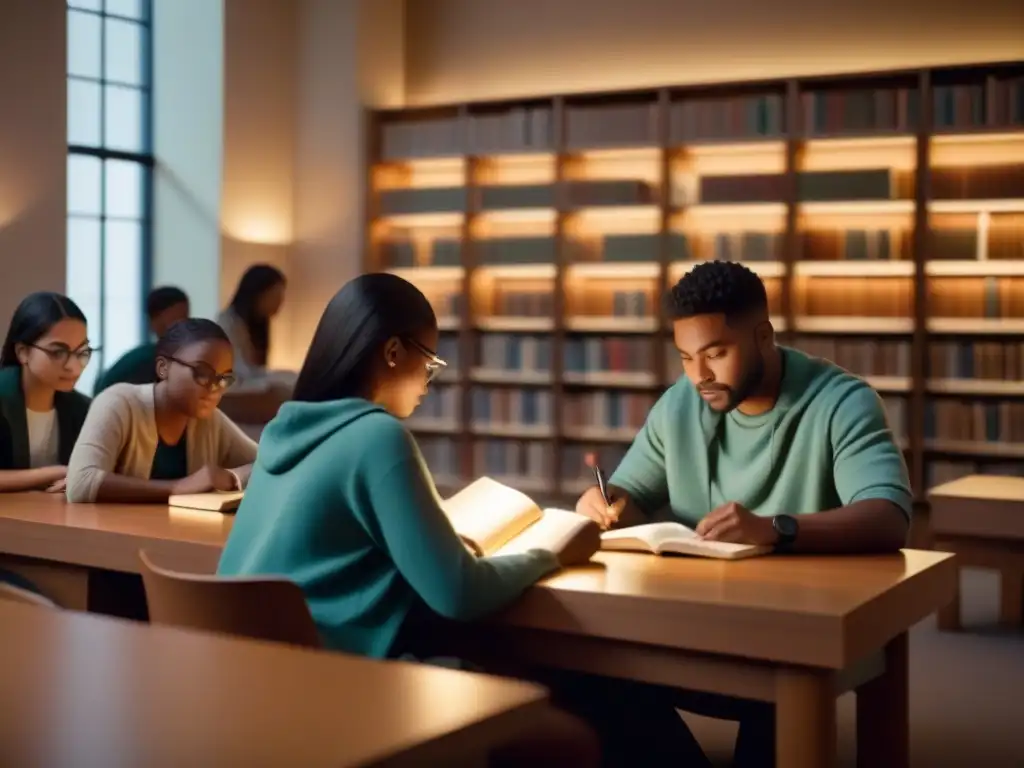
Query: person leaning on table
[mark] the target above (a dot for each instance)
(758, 444)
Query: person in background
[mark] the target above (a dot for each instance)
(341, 502)
(758, 444)
(46, 349)
(164, 307)
(246, 320)
(145, 442)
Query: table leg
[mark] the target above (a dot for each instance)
(949, 615)
(1011, 611)
(883, 712)
(805, 719)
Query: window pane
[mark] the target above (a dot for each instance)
(123, 118)
(124, 52)
(124, 189)
(84, 193)
(83, 44)
(89, 5)
(83, 113)
(83, 284)
(130, 8)
(122, 283)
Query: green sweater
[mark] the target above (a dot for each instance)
(824, 445)
(341, 503)
(71, 409)
(136, 366)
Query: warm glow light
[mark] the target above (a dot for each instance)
(423, 220)
(732, 159)
(977, 325)
(614, 270)
(425, 173)
(896, 152)
(611, 324)
(855, 207)
(987, 268)
(840, 324)
(417, 274)
(731, 217)
(626, 219)
(516, 324)
(623, 164)
(516, 169)
(977, 206)
(518, 271)
(268, 228)
(978, 149)
(514, 222)
(846, 268)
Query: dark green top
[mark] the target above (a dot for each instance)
(170, 462)
(71, 409)
(136, 366)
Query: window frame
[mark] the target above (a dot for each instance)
(144, 158)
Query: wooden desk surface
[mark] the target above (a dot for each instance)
(82, 690)
(988, 487)
(811, 611)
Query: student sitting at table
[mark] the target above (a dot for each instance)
(164, 306)
(246, 320)
(144, 442)
(341, 502)
(758, 444)
(41, 414)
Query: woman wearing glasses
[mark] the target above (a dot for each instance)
(41, 414)
(145, 442)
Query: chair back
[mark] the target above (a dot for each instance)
(263, 608)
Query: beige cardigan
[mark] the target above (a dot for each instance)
(119, 435)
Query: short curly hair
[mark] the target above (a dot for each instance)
(717, 287)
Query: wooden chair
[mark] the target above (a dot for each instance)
(271, 609)
(26, 596)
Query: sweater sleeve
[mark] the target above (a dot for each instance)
(235, 448)
(406, 517)
(641, 473)
(104, 434)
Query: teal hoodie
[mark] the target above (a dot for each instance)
(825, 444)
(340, 502)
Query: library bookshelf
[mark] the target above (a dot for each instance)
(884, 211)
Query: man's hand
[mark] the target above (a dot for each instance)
(592, 505)
(735, 523)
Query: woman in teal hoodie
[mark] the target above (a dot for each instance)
(340, 500)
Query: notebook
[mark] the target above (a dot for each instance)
(492, 518)
(662, 538)
(214, 501)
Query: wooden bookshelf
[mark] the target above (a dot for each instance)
(884, 211)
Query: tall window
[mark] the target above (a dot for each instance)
(110, 161)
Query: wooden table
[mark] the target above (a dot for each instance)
(78, 690)
(981, 519)
(796, 631)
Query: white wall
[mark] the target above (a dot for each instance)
(33, 149)
(461, 50)
(188, 124)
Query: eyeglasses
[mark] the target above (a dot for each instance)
(62, 355)
(206, 377)
(434, 363)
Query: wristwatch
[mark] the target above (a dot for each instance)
(787, 527)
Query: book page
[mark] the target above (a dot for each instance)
(653, 535)
(488, 514)
(215, 501)
(552, 532)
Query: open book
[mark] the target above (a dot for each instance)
(214, 501)
(492, 518)
(659, 538)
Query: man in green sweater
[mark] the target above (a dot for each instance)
(164, 307)
(758, 444)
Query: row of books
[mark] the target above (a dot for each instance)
(736, 117)
(515, 352)
(857, 297)
(446, 302)
(594, 354)
(512, 458)
(991, 360)
(996, 297)
(861, 111)
(607, 411)
(512, 407)
(975, 421)
(520, 303)
(996, 102)
(856, 245)
(883, 357)
(441, 403)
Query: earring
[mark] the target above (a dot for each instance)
(391, 363)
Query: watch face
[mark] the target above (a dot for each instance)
(786, 525)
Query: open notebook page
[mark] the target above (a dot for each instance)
(653, 534)
(490, 514)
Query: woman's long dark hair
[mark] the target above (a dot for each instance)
(257, 280)
(33, 319)
(361, 317)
